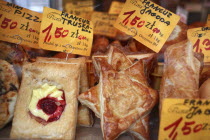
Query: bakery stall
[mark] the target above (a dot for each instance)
(105, 69)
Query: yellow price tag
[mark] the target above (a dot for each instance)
(185, 119)
(83, 9)
(200, 39)
(19, 25)
(65, 32)
(147, 22)
(103, 24)
(116, 7)
(208, 21)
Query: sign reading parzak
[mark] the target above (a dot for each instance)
(65, 32)
(185, 119)
(19, 25)
(147, 22)
(200, 39)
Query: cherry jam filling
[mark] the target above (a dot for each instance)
(52, 107)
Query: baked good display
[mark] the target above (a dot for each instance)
(204, 90)
(9, 86)
(85, 117)
(47, 101)
(180, 73)
(122, 96)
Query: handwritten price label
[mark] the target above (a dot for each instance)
(186, 119)
(208, 21)
(65, 32)
(83, 9)
(103, 24)
(200, 39)
(147, 22)
(18, 24)
(116, 7)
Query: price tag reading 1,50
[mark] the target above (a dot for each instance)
(200, 39)
(19, 25)
(147, 22)
(186, 119)
(65, 32)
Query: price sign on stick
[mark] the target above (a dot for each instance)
(147, 22)
(18, 24)
(200, 39)
(185, 119)
(65, 32)
(80, 8)
(116, 7)
(103, 23)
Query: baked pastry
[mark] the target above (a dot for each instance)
(47, 101)
(180, 73)
(85, 117)
(133, 73)
(204, 90)
(9, 86)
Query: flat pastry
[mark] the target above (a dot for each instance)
(9, 86)
(85, 117)
(47, 101)
(134, 73)
(180, 73)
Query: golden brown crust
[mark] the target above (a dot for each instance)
(35, 75)
(123, 102)
(124, 92)
(204, 90)
(181, 73)
(9, 86)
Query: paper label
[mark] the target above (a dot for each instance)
(208, 21)
(200, 39)
(19, 25)
(83, 9)
(116, 7)
(185, 119)
(65, 32)
(147, 22)
(103, 24)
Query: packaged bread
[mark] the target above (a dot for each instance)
(47, 103)
(180, 73)
(9, 86)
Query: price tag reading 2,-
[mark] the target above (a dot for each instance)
(185, 119)
(18, 24)
(65, 32)
(147, 22)
(200, 39)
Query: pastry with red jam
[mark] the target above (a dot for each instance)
(47, 105)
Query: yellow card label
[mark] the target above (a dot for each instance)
(103, 24)
(147, 22)
(19, 25)
(185, 119)
(116, 7)
(65, 32)
(200, 39)
(208, 21)
(83, 9)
